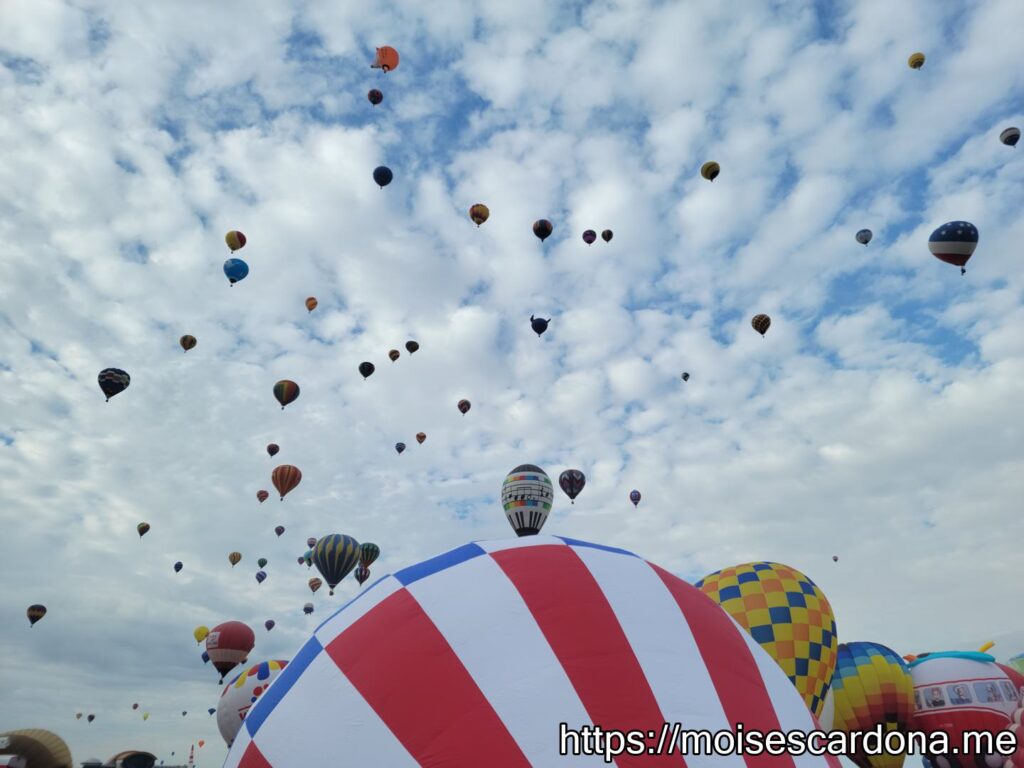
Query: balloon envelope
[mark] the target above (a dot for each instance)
(954, 242)
(113, 381)
(239, 695)
(229, 644)
(526, 496)
(335, 556)
(286, 478)
(543, 228)
(235, 270)
(1010, 137)
(571, 482)
(382, 175)
(864, 236)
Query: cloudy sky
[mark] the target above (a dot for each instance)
(878, 420)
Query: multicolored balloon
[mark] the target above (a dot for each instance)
(308, 607)
(335, 556)
(710, 170)
(589, 236)
(572, 481)
(229, 644)
(234, 558)
(368, 554)
(262, 496)
(286, 478)
(241, 693)
(864, 236)
(479, 213)
(542, 228)
(362, 573)
(113, 381)
(35, 613)
(188, 342)
(761, 324)
(1010, 136)
(386, 59)
(286, 391)
(311, 303)
(375, 96)
(143, 529)
(235, 240)
(954, 243)
(634, 496)
(464, 406)
(314, 584)
(394, 354)
(527, 496)
(916, 60)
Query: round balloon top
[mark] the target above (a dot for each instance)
(399, 447)
(572, 482)
(1010, 136)
(235, 270)
(35, 613)
(916, 60)
(464, 406)
(187, 342)
(589, 236)
(235, 240)
(366, 370)
(761, 323)
(864, 236)
(539, 324)
(527, 495)
(788, 615)
(519, 636)
(335, 556)
(229, 644)
(411, 346)
(479, 213)
(543, 228)
(386, 59)
(285, 391)
(710, 170)
(311, 303)
(113, 381)
(607, 235)
(954, 243)
(394, 354)
(307, 608)
(375, 96)
(273, 448)
(382, 175)
(634, 496)
(239, 695)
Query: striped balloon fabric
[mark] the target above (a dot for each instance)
(474, 658)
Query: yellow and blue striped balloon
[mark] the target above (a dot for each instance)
(335, 556)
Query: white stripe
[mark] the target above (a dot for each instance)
(510, 660)
(356, 609)
(517, 543)
(325, 721)
(955, 248)
(238, 748)
(664, 645)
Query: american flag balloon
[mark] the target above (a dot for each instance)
(475, 657)
(954, 242)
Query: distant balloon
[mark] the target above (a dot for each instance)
(78, 716)
(527, 495)
(200, 633)
(589, 236)
(178, 566)
(35, 613)
(262, 562)
(420, 437)
(399, 447)
(143, 529)
(286, 391)
(464, 406)
(90, 718)
(710, 170)
(135, 705)
(572, 482)
(375, 96)
(539, 325)
(187, 342)
(685, 376)
(543, 228)
(335, 556)
(634, 496)
(761, 323)
(273, 448)
(1010, 137)
(835, 558)
(286, 478)
(954, 243)
(864, 236)
(307, 558)
(368, 553)
(239, 696)
(184, 712)
(279, 530)
(916, 60)
(210, 711)
(479, 213)
(229, 645)
(386, 60)
(235, 270)
(234, 558)
(308, 608)
(113, 381)
(261, 576)
(269, 624)
(311, 303)
(311, 542)
(394, 354)
(262, 496)
(411, 346)
(366, 369)
(362, 573)
(382, 175)
(315, 584)
(205, 657)
(607, 235)
(235, 240)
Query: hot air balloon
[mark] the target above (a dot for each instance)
(420, 437)
(479, 213)
(411, 346)
(394, 354)
(634, 496)
(261, 576)
(835, 558)
(229, 644)
(761, 324)
(386, 60)
(235, 270)
(954, 243)
(211, 710)
(315, 584)
(262, 562)
(311, 542)
(78, 716)
(587, 625)
(607, 235)
(366, 370)
(234, 558)
(527, 496)
(685, 376)
(143, 529)
(864, 236)
(145, 715)
(399, 447)
(362, 573)
(286, 391)
(539, 325)
(1010, 137)
(35, 613)
(572, 482)
(262, 496)
(279, 530)
(113, 381)
(285, 479)
(205, 657)
(307, 558)
(90, 718)
(200, 633)
(201, 742)
(382, 175)
(273, 448)
(269, 624)
(1017, 662)
(187, 342)
(710, 170)
(375, 96)
(335, 556)
(368, 554)
(788, 615)
(308, 607)
(543, 228)
(135, 705)
(916, 60)
(464, 406)
(178, 566)
(871, 687)
(235, 240)
(241, 693)
(589, 236)
(301, 560)
(311, 303)
(184, 712)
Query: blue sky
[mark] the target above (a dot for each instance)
(877, 419)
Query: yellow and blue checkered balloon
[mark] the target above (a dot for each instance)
(788, 615)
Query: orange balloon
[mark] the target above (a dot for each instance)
(387, 59)
(311, 303)
(420, 437)
(285, 478)
(201, 742)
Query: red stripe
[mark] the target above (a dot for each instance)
(253, 758)
(402, 665)
(734, 673)
(584, 633)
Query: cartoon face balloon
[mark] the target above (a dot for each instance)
(241, 693)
